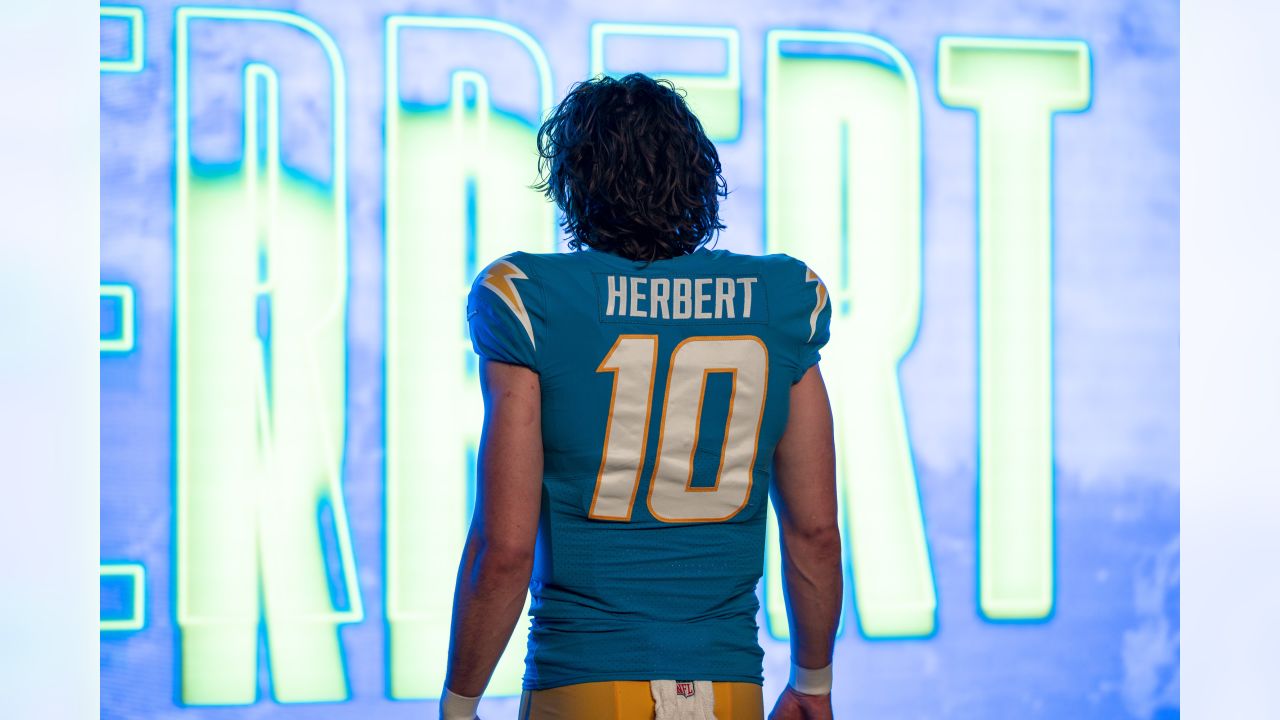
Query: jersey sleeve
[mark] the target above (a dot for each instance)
(504, 312)
(811, 321)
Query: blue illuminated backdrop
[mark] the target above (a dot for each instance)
(295, 196)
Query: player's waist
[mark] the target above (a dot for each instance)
(563, 652)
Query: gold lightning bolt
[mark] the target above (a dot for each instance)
(500, 277)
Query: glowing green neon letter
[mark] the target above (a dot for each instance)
(133, 63)
(715, 99)
(260, 416)
(123, 341)
(456, 194)
(1015, 87)
(137, 575)
(842, 192)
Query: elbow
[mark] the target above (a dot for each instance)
(501, 562)
(818, 540)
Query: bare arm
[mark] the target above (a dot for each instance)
(493, 577)
(804, 493)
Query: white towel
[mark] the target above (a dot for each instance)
(683, 699)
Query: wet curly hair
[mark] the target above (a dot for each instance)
(630, 167)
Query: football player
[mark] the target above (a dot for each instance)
(645, 396)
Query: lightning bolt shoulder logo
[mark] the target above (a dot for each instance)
(500, 277)
(820, 299)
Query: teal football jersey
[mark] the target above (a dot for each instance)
(665, 388)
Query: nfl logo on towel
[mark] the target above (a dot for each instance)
(684, 689)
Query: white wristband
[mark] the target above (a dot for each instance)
(457, 707)
(810, 682)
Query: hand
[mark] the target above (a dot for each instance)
(796, 706)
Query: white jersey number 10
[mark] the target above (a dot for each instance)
(633, 360)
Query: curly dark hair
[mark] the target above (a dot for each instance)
(631, 168)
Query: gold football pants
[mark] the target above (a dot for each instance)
(631, 700)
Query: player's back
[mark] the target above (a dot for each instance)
(665, 388)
